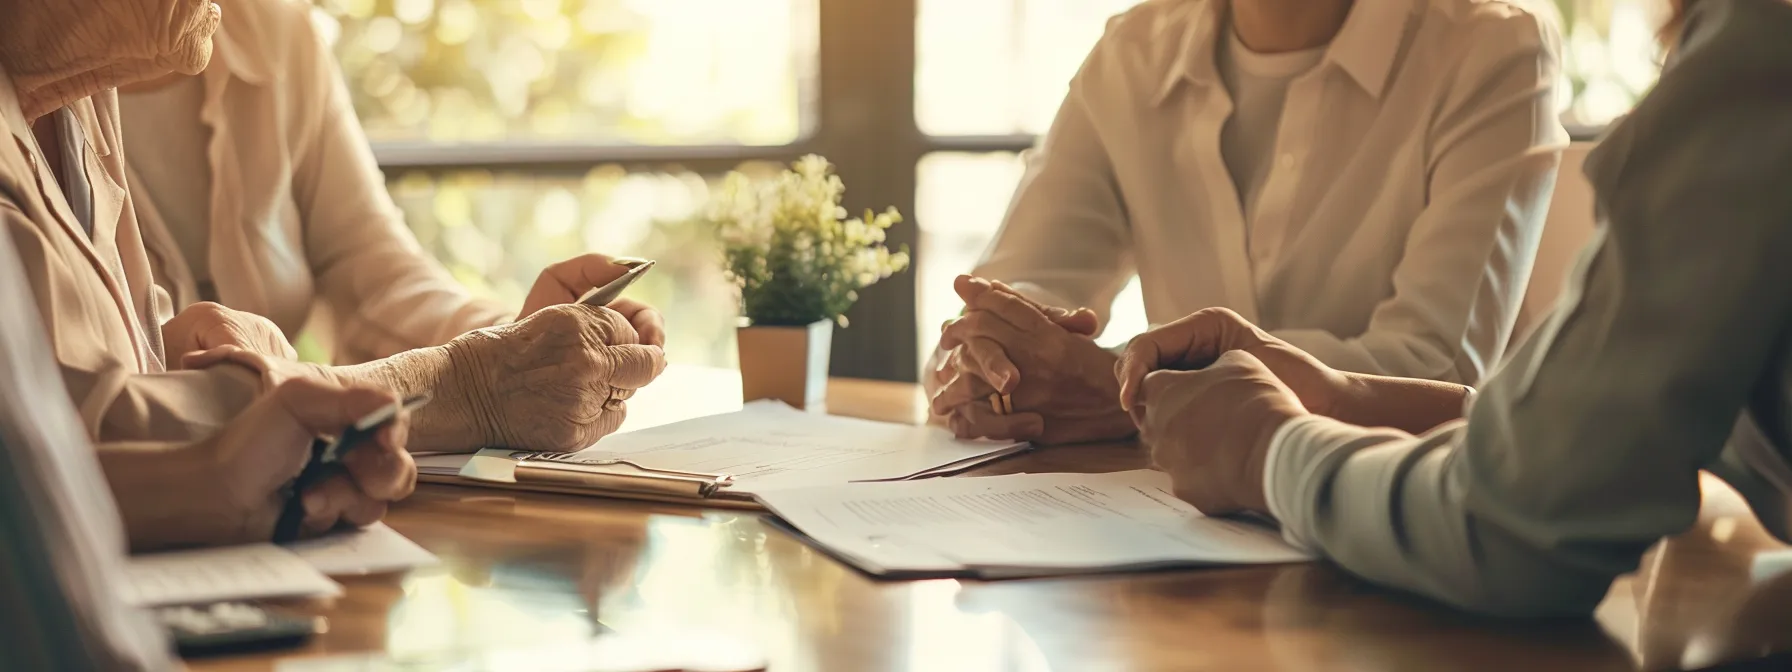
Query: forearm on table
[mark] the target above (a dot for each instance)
(1413, 405)
(1387, 506)
(1388, 352)
(458, 417)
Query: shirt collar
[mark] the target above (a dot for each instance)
(89, 124)
(1194, 58)
(13, 114)
(1370, 39)
(11, 108)
(232, 48)
(1364, 48)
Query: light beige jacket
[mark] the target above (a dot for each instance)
(299, 209)
(100, 309)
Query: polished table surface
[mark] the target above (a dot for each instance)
(523, 569)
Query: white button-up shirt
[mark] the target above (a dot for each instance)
(1396, 229)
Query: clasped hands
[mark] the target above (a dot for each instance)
(1205, 393)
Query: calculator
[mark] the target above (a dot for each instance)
(234, 627)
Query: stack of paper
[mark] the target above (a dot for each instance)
(374, 549)
(1021, 525)
(765, 446)
(256, 571)
(691, 649)
(217, 574)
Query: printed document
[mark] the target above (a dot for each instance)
(374, 549)
(769, 445)
(219, 574)
(255, 571)
(652, 650)
(1021, 525)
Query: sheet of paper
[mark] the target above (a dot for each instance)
(440, 464)
(768, 445)
(693, 650)
(1048, 522)
(373, 549)
(1768, 565)
(216, 574)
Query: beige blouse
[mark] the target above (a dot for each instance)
(299, 209)
(100, 310)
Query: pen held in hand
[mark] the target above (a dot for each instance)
(612, 290)
(326, 458)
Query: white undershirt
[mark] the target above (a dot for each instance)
(168, 146)
(1258, 84)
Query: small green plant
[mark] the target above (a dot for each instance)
(790, 248)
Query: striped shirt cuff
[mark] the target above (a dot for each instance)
(1272, 478)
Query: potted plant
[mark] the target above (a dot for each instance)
(799, 263)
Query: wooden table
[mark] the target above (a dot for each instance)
(526, 569)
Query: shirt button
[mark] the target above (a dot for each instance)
(1287, 161)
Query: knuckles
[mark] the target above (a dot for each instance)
(594, 327)
(208, 311)
(1217, 314)
(565, 436)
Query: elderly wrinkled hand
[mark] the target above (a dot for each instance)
(1202, 337)
(1211, 429)
(1060, 383)
(564, 282)
(260, 452)
(556, 380)
(205, 325)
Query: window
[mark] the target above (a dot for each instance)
(998, 70)
(500, 124)
(495, 231)
(998, 67)
(1610, 57)
(518, 132)
(655, 72)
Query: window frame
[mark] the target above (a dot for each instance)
(863, 102)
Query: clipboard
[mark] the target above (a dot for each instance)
(611, 477)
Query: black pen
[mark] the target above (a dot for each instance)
(326, 459)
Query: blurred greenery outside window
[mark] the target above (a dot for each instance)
(488, 75)
(491, 76)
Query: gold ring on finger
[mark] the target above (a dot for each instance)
(1002, 404)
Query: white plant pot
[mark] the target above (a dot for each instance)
(786, 363)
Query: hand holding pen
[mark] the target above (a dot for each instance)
(269, 446)
(330, 457)
(598, 280)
